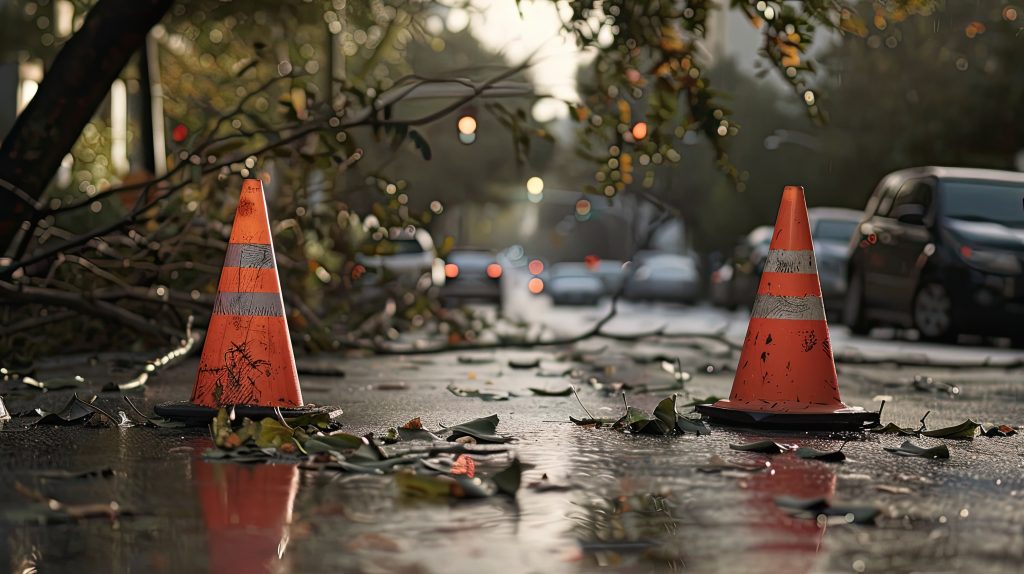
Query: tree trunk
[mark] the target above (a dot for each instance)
(74, 86)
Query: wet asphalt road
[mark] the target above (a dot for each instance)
(637, 503)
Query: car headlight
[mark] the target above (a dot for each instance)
(991, 260)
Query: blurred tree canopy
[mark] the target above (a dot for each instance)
(329, 102)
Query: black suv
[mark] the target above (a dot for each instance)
(940, 250)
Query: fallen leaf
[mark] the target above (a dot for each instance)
(910, 449)
(705, 401)
(482, 430)
(685, 425)
(964, 431)
(414, 424)
(546, 393)
(480, 394)
(524, 363)
(892, 428)
(76, 411)
(815, 454)
(998, 431)
(596, 422)
(474, 360)
(154, 421)
(764, 447)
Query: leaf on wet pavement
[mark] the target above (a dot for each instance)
(910, 449)
(485, 395)
(813, 507)
(824, 456)
(963, 431)
(482, 429)
(460, 485)
(338, 442)
(595, 422)
(474, 359)
(893, 428)
(75, 412)
(705, 401)
(763, 446)
(508, 480)
(998, 431)
(696, 426)
(153, 421)
(524, 363)
(551, 393)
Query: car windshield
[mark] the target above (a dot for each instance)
(834, 229)
(997, 202)
(471, 259)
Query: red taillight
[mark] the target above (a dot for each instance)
(494, 270)
(966, 252)
(451, 270)
(535, 285)
(592, 261)
(536, 266)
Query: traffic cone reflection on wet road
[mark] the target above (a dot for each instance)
(786, 376)
(247, 361)
(248, 512)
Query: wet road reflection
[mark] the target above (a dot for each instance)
(787, 541)
(247, 510)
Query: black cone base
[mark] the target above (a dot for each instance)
(199, 415)
(849, 420)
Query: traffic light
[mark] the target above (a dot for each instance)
(467, 128)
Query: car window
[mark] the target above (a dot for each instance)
(834, 229)
(886, 198)
(994, 201)
(914, 198)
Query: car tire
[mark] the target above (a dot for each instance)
(853, 307)
(932, 313)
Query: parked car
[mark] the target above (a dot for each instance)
(573, 283)
(471, 274)
(664, 277)
(735, 282)
(402, 255)
(940, 250)
(831, 230)
(610, 272)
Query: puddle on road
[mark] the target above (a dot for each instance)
(639, 503)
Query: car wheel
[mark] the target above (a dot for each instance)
(933, 313)
(853, 306)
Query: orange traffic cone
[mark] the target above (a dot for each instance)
(786, 377)
(247, 360)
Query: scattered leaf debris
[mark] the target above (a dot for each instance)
(910, 449)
